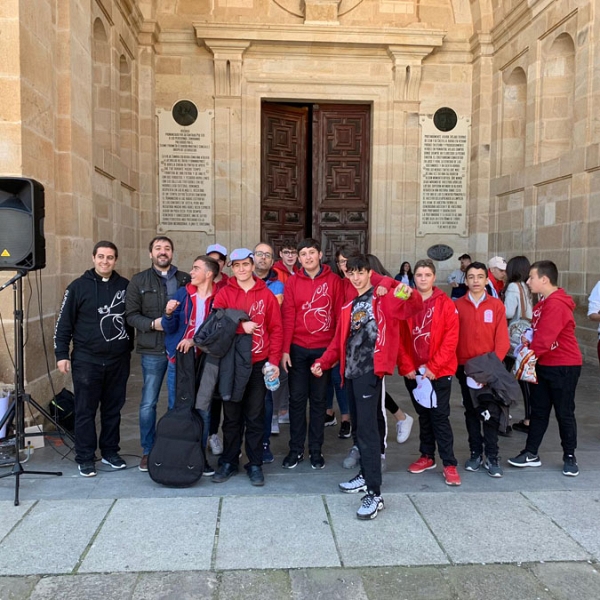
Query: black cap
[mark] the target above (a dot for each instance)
(464, 256)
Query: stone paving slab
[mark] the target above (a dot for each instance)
(254, 585)
(176, 586)
(52, 536)
(398, 536)
(569, 581)
(495, 528)
(578, 513)
(332, 584)
(408, 583)
(143, 534)
(88, 587)
(10, 515)
(282, 532)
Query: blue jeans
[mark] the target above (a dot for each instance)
(340, 393)
(153, 374)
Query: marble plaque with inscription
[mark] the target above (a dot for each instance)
(185, 169)
(444, 178)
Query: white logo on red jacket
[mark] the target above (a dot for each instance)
(317, 311)
(257, 314)
(422, 334)
(381, 328)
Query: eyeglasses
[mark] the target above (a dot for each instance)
(289, 252)
(263, 255)
(341, 263)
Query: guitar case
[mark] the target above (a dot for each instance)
(177, 458)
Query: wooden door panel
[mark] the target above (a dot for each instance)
(341, 163)
(283, 173)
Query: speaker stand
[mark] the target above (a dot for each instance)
(20, 397)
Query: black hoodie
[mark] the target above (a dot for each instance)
(92, 315)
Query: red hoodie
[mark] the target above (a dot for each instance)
(438, 323)
(282, 271)
(262, 307)
(554, 342)
(388, 311)
(310, 309)
(482, 328)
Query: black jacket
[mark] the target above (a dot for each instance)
(146, 301)
(92, 317)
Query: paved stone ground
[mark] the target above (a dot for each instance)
(532, 534)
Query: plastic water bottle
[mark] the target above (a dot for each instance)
(271, 383)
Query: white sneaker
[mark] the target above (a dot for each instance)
(371, 505)
(215, 444)
(351, 461)
(275, 426)
(355, 485)
(403, 429)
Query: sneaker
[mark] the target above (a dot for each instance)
(525, 459)
(506, 433)
(422, 464)
(256, 475)
(355, 485)
(403, 429)
(570, 468)
(274, 426)
(215, 445)
(143, 466)
(208, 470)
(474, 462)
(87, 469)
(371, 505)
(267, 456)
(383, 465)
(224, 472)
(284, 418)
(451, 475)
(292, 459)
(115, 461)
(351, 461)
(521, 426)
(492, 466)
(330, 420)
(316, 460)
(345, 430)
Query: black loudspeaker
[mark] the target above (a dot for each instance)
(22, 241)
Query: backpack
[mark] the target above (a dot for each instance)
(62, 409)
(177, 457)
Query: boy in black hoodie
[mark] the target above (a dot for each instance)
(92, 317)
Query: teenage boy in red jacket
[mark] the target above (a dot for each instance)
(428, 342)
(311, 305)
(558, 368)
(366, 345)
(482, 329)
(245, 292)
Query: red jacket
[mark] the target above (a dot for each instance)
(310, 309)
(282, 271)
(554, 342)
(443, 336)
(388, 311)
(482, 329)
(262, 307)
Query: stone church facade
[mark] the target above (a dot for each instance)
(82, 84)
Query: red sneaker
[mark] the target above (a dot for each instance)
(423, 464)
(451, 475)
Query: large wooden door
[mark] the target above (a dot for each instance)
(284, 160)
(315, 167)
(341, 166)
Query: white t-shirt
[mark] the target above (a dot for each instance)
(594, 302)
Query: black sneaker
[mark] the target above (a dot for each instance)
(208, 470)
(256, 475)
(316, 460)
(525, 459)
(292, 459)
(506, 433)
(570, 468)
(87, 469)
(115, 461)
(330, 420)
(224, 472)
(345, 430)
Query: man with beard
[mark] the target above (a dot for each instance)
(147, 295)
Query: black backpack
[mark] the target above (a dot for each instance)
(177, 457)
(62, 409)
